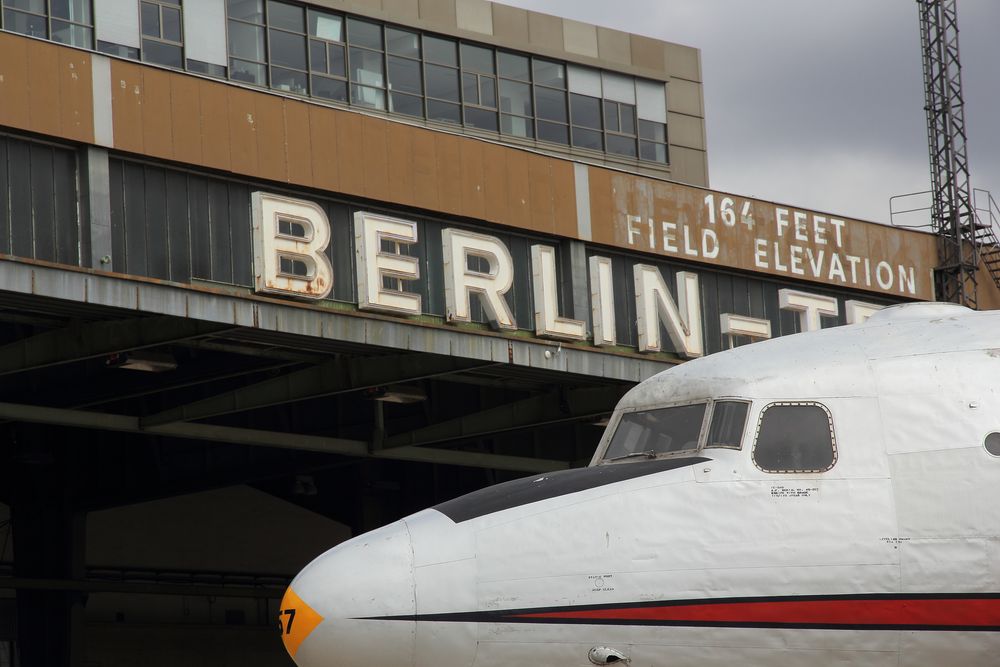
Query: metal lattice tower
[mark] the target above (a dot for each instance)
(952, 213)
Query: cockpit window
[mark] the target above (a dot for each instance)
(795, 437)
(652, 432)
(729, 418)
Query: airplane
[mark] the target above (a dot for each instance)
(825, 498)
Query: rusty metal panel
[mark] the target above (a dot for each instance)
(126, 104)
(715, 228)
(14, 112)
(324, 149)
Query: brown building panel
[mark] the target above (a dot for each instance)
(45, 80)
(449, 173)
(271, 134)
(76, 92)
(214, 118)
(350, 155)
(185, 113)
(399, 142)
(518, 190)
(473, 196)
(540, 188)
(298, 148)
(324, 152)
(425, 194)
(563, 199)
(495, 184)
(14, 111)
(157, 114)
(375, 158)
(241, 119)
(126, 101)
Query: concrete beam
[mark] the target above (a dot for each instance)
(97, 339)
(535, 411)
(252, 437)
(333, 377)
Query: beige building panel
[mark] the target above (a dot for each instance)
(242, 123)
(580, 38)
(688, 165)
(448, 175)
(399, 144)
(686, 131)
(474, 16)
(649, 54)
(614, 46)
(473, 193)
(495, 183)
(403, 11)
(510, 25)
(439, 13)
(350, 149)
(683, 62)
(685, 97)
(76, 95)
(272, 136)
(545, 33)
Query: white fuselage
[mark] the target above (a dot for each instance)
(700, 557)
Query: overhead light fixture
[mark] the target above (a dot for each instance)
(396, 394)
(143, 360)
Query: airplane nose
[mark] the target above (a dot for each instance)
(327, 615)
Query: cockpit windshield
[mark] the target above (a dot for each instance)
(653, 432)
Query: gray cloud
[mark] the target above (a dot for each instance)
(818, 104)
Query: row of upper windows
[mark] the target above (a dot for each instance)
(790, 437)
(363, 63)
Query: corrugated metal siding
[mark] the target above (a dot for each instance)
(39, 217)
(179, 226)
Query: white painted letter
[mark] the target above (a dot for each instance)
(654, 305)
(808, 306)
(548, 323)
(602, 301)
(376, 264)
(289, 237)
(460, 282)
(857, 312)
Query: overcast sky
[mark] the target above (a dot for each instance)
(818, 104)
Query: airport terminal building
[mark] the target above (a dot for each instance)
(274, 273)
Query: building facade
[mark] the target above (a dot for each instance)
(272, 273)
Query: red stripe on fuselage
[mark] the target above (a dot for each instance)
(943, 612)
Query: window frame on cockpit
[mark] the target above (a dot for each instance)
(705, 444)
(760, 422)
(616, 423)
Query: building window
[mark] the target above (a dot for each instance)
(327, 56)
(516, 108)
(306, 51)
(406, 85)
(441, 76)
(65, 21)
(366, 63)
(162, 37)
